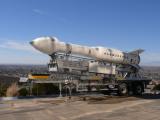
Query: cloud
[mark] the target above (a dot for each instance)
(40, 12)
(18, 46)
(30, 55)
(25, 59)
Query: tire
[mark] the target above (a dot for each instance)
(138, 89)
(123, 89)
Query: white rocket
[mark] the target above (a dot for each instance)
(51, 45)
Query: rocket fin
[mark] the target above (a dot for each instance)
(137, 52)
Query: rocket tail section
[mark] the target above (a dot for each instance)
(136, 52)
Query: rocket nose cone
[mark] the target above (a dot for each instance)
(43, 44)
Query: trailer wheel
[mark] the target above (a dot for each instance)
(123, 89)
(138, 89)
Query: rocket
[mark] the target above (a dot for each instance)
(51, 45)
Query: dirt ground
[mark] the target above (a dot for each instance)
(82, 108)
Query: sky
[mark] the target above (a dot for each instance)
(122, 24)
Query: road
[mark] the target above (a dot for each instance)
(57, 109)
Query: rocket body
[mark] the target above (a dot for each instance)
(51, 45)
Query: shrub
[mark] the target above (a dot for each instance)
(38, 89)
(3, 89)
(12, 90)
(23, 92)
(44, 89)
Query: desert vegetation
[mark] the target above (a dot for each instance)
(12, 91)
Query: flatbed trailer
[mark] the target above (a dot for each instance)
(122, 87)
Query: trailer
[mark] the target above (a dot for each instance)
(87, 75)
